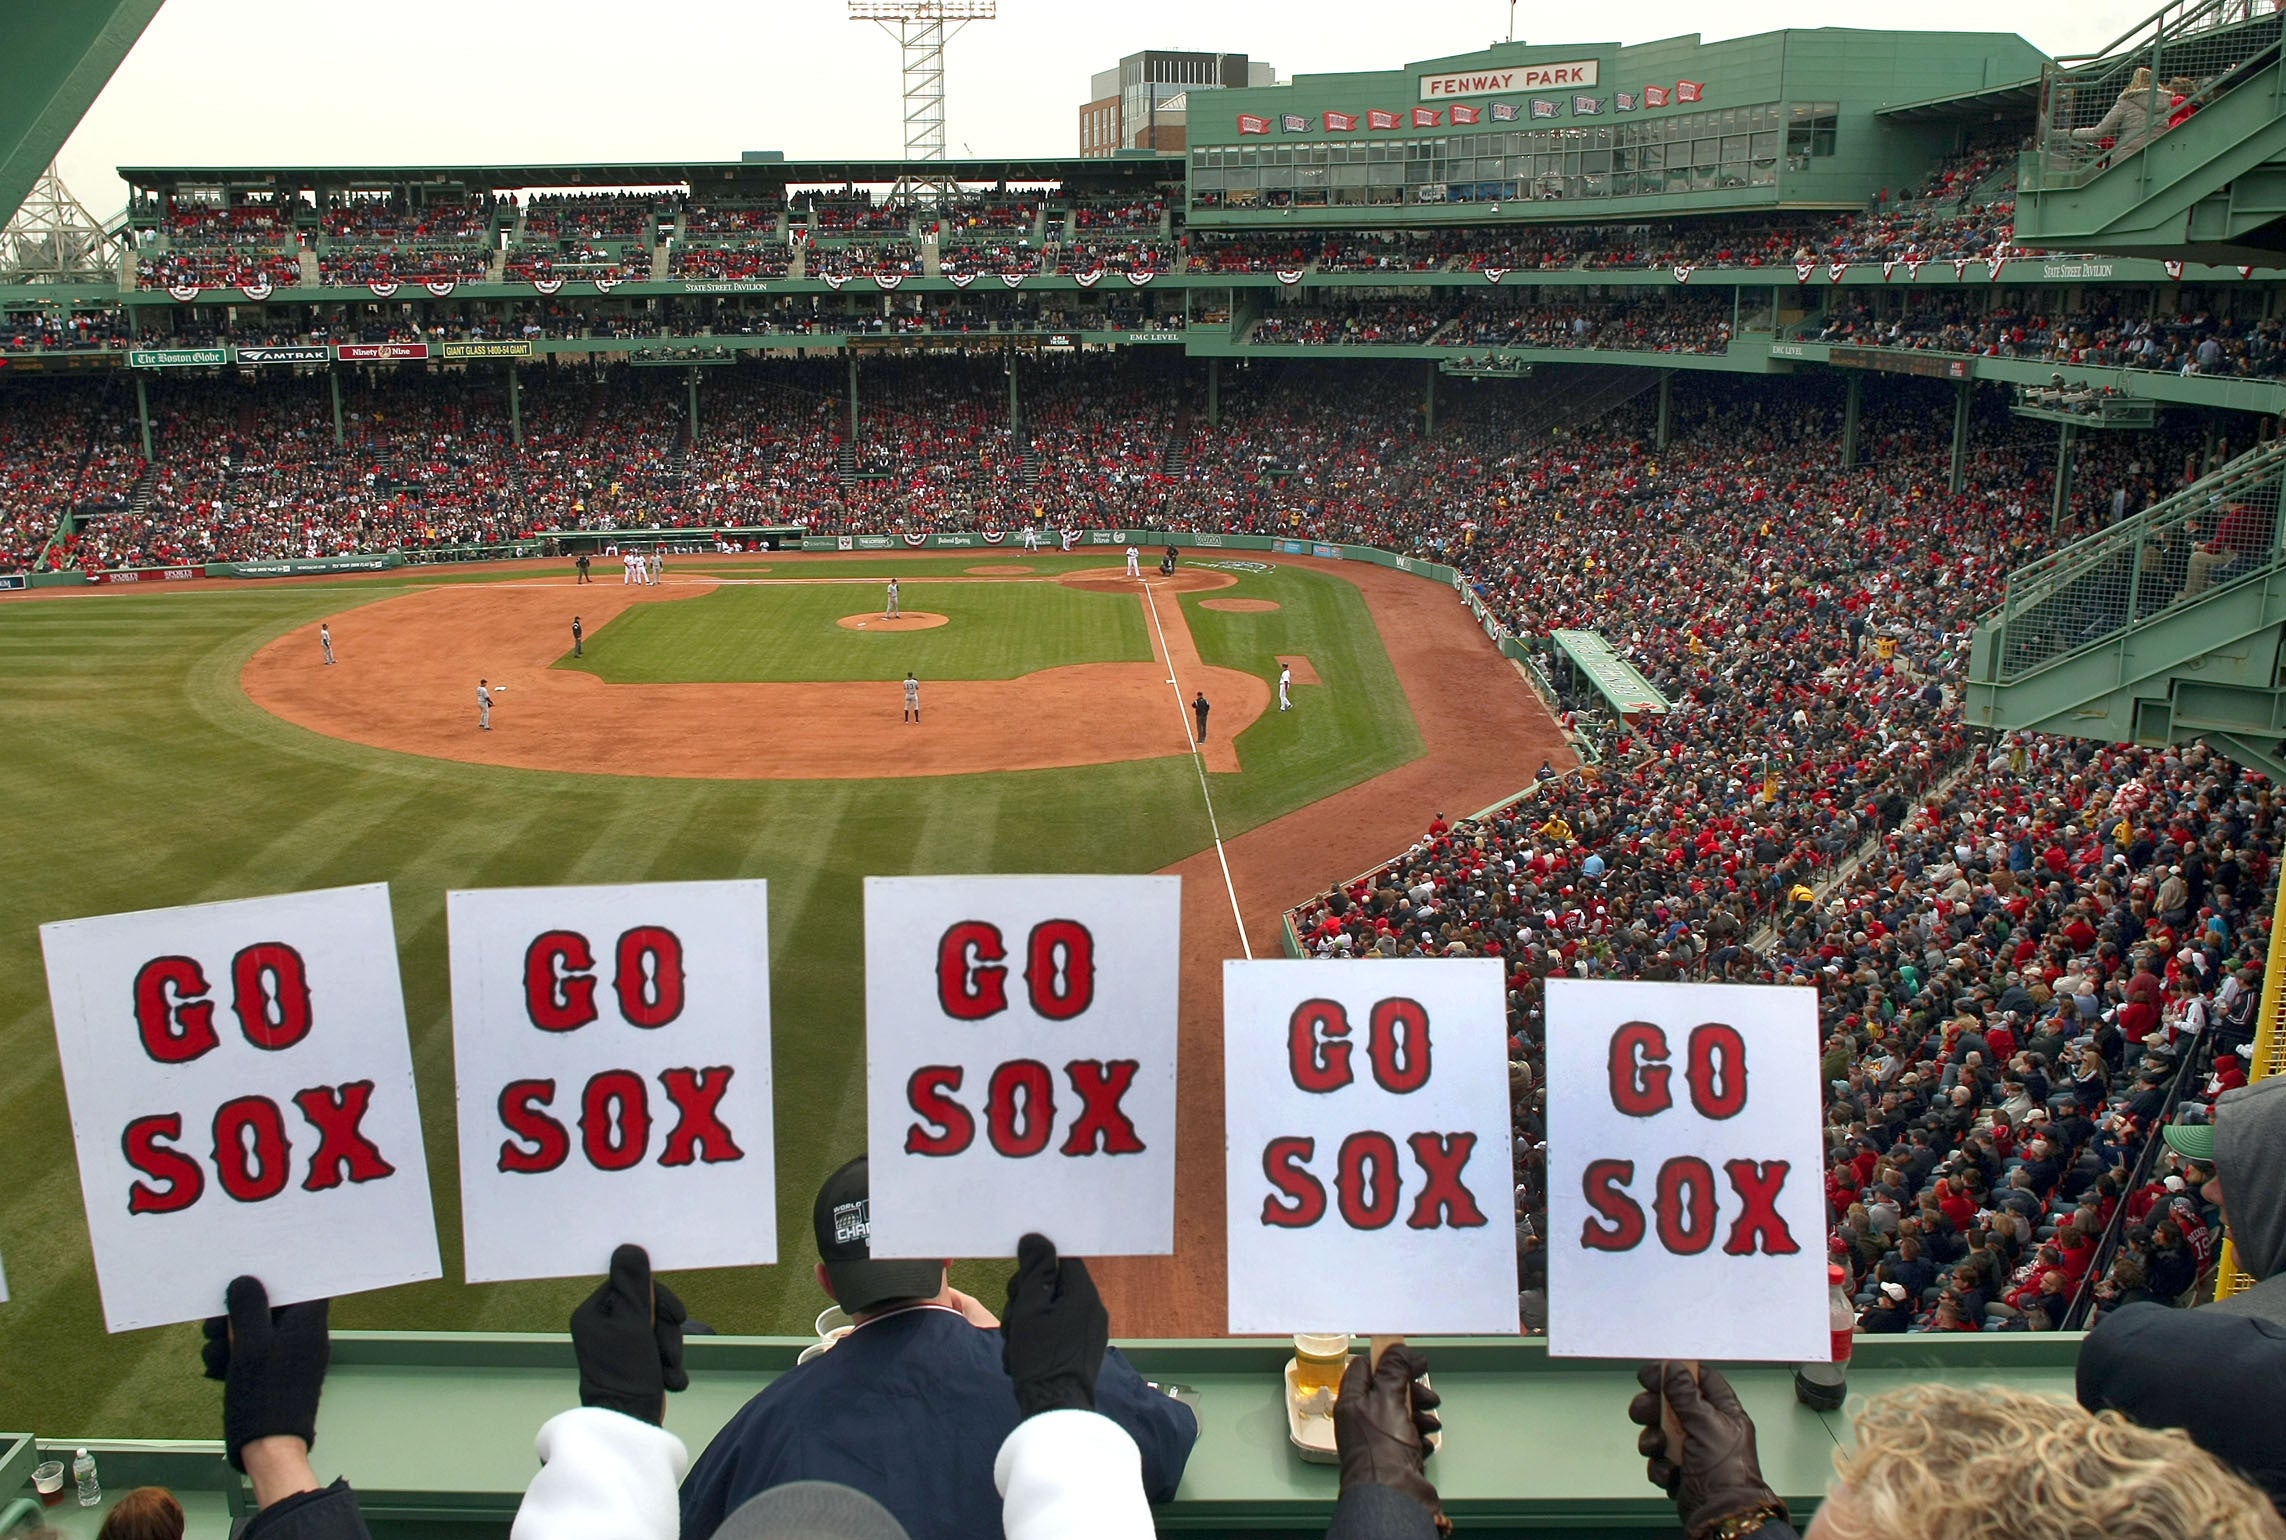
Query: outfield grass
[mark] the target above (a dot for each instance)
(773, 631)
(137, 775)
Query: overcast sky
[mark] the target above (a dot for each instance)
(251, 82)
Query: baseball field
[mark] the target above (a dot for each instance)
(740, 719)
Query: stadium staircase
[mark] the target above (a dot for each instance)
(145, 489)
(2163, 628)
(1558, 396)
(1175, 457)
(845, 460)
(2212, 189)
(1028, 465)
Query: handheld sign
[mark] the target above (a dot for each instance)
(613, 1046)
(1020, 1063)
(1686, 1205)
(241, 1093)
(1367, 1126)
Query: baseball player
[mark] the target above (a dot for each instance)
(1134, 562)
(576, 635)
(325, 640)
(658, 561)
(912, 699)
(1071, 538)
(1285, 683)
(891, 612)
(1200, 708)
(1031, 537)
(582, 565)
(627, 560)
(484, 705)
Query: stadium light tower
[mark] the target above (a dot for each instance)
(54, 239)
(922, 28)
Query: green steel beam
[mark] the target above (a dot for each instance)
(54, 61)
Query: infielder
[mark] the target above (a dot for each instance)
(627, 575)
(1134, 562)
(1031, 537)
(1071, 538)
(912, 699)
(658, 561)
(484, 704)
(891, 612)
(1285, 683)
(325, 640)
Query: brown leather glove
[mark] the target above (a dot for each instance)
(1382, 1421)
(1718, 1476)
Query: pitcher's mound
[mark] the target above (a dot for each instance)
(1239, 606)
(911, 620)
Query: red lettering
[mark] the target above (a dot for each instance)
(970, 985)
(140, 1144)
(928, 1093)
(1020, 1130)
(251, 1157)
(1757, 1186)
(1320, 1061)
(1685, 1206)
(615, 1120)
(699, 1133)
(1283, 1164)
(559, 1001)
(1718, 1071)
(1100, 1123)
(1397, 1041)
(649, 977)
(270, 990)
(1059, 969)
(1605, 1182)
(523, 1112)
(1444, 1200)
(335, 1112)
(1639, 1070)
(1367, 1182)
(176, 1023)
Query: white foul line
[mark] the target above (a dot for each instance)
(1198, 762)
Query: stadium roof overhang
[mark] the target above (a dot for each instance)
(2017, 99)
(1125, 170)
(55, 62)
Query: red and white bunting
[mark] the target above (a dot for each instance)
(1289, 276)
(1993, 264)
(546, 285)
(382, 288)
(1011, 280)
(441, 287)
(1138, 279)
(887, 280)
(2246, 272)
(2174, 269)
(832, 281)
(1803, 270)
(1088, 279)
(1888, 266)
(257, 290)
(605, 285)
(1834, 271)
(1495, 274)
(186, 292)
(1913, 269)
(960, 280)
(992, 536)
(1683, 271)
(915, 538)
(1960, 269)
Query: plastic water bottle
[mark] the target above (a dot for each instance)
(90, 1485)
(1824, 1386)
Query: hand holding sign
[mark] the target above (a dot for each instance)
(1367, 1158)
(1685, 1217)
(241, 1092)
(1020, 1063)
(613, 1046)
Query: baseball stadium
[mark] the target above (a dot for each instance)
(1794, 509)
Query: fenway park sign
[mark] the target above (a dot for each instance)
(1501, 82)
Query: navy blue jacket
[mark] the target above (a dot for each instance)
(911, 1409)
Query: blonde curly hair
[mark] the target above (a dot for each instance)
(1988, 1463)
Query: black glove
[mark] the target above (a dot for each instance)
(271, 1364)
(1383, 1417)
(1719, 1476)
(628, 1337)
(1054, 1331)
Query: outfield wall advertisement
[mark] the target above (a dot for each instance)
(304, 566)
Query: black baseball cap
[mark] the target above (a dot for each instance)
(843, 1219)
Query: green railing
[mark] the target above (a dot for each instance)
(2210, 536)
(2105, 109)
